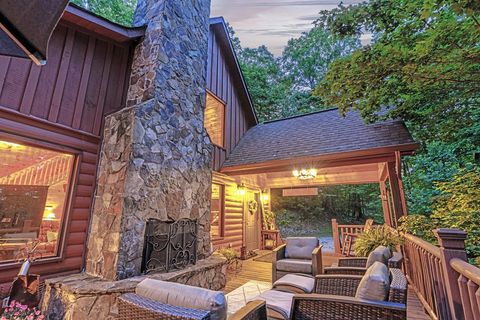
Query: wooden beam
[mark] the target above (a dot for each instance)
(396, 193)
(385, 205)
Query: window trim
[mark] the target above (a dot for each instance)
(224, 120)
(69, 198)
(222, 212)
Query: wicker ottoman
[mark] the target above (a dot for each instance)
(295, 283)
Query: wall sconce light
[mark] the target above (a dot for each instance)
(305, 174)
(241, 190)
(265, 196)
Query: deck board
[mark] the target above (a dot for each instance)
(262, 271)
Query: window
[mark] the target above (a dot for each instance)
(34, 183)
(217, 211)
(214, 120)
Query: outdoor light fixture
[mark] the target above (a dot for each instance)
(265, 197)
(305, 174)
(241, 190)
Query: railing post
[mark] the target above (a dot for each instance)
(452, 245)
(336, 237)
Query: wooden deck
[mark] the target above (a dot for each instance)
(262, 271)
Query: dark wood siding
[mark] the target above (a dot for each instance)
(224, 82)
(63, 104)
(85, 77)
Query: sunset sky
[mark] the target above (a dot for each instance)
(271, 22)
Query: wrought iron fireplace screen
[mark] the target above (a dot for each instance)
(169, 245)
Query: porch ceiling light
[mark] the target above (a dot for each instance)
(305, 174)
(241, 190)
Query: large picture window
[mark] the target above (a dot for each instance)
(217, 211)
(214, 120)
(34, 183)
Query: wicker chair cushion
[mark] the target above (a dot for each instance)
(295, 265)
(375, 284)
(380, 254)
(181, 295)
(278, 302)
(300, 247)
(290, 281)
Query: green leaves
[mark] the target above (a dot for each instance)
(119, 11)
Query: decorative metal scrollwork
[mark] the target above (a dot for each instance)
(169, 245)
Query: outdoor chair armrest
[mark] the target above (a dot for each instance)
(254, 310)
(353, 262)
(279, 253)
(317, 264)
(345, 270)
(396, 260)
(133, 306)
(340, 284)
(330, 307)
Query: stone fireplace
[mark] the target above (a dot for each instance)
(155, 165)
(156, 157)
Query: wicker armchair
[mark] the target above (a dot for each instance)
(357, 265)
(334, 298)
(133, 306)
(254, 310)
(315, 262)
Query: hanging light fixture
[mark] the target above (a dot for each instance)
(305, 174)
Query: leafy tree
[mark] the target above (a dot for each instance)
(306, 59)
(119, 11)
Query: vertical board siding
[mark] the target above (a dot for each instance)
(223, 81)
(74, 83)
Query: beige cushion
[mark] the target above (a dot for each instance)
(181, 295)
(277, 301)
(300, 247)
(380, 254)
(295, 265)
(302, 282)
(375, 284)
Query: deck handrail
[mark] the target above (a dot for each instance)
(446, 284)
(425, 245)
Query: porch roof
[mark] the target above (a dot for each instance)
(315, 136)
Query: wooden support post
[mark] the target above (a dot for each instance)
(336, 237)
(398, 207)
(452, 245)
(386, 210)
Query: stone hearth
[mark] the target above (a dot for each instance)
(82, 296)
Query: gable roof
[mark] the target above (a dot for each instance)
(317, 134)
(219, 27)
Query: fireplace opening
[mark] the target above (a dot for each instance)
(169, 245)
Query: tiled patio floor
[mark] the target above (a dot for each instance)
(254, 277)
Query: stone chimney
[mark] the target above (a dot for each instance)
(155, 156)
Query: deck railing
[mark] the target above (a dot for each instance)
(340, 231)
(446, 284)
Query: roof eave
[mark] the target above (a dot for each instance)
(331, 158)
(94, 23)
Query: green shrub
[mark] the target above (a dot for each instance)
(367, 241)
(229, 253)
(420, 226)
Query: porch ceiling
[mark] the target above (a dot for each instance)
(354, 174)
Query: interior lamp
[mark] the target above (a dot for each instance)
(48, 213)
(305, 174)
(265, 197)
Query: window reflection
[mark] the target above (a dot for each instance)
(33, 190)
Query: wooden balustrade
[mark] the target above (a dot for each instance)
(48, 172)
(447, 285)
(341, 230)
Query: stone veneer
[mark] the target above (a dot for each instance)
(155, 156)
(82, 296)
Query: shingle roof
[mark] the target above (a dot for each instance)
(315, 134)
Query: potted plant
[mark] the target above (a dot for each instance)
(18, 311)
(376, 236)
